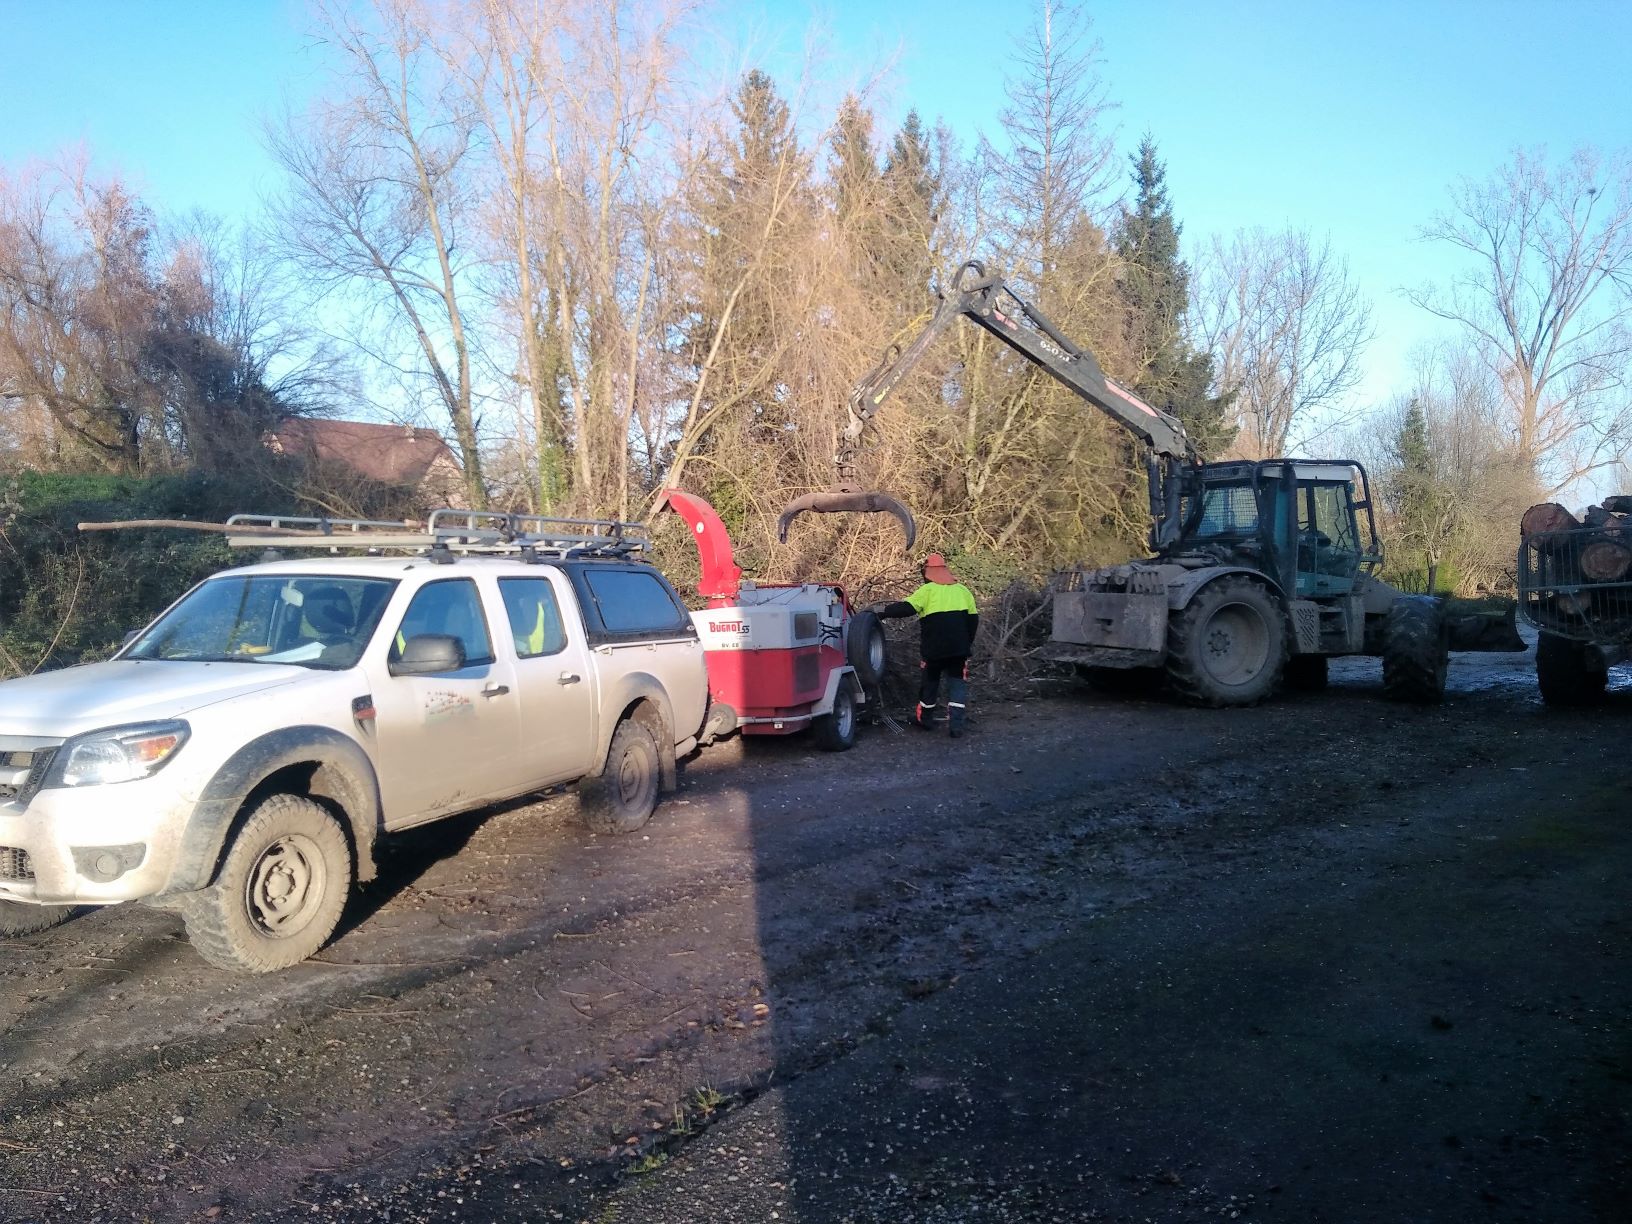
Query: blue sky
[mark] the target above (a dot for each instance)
(1346, 118)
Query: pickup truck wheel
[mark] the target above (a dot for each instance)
(16, 918)
(280, 890)
(836, 732)
(623, 796)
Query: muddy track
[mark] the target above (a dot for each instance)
(518, 1003)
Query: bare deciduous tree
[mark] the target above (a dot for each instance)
(1549, 262)
(1287, 326)
(78, 296)
(1458, 512)
(378, 203)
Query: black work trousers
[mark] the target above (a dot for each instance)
(956, 672)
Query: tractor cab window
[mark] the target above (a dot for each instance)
(1328, 547)
(1331, 514)
(1227, 512)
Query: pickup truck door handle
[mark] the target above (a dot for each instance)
(568, 678)
(495, 690)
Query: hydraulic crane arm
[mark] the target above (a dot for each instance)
(984, 299)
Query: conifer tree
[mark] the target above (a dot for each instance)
(1155, 289)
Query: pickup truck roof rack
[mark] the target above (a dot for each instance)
(448, 531)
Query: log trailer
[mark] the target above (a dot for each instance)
(1575, 587)
(1261, 570)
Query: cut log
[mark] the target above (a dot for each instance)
(1597, 516)
(1548, 516)
(1619, 503)
(1605, 561)
(1571, 603)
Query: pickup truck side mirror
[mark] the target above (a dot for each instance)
(426, 654)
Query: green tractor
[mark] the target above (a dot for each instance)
(1267, 571)
(1262, 571)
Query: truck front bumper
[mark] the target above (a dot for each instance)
(88, 846)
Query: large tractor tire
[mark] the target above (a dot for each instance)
(1570, 674)
(1227, 646)
(279, 893)
(1307, 673)
(17, 918)
(864, 647)
(1416, 651)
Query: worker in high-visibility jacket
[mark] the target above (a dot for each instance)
(947, 621)
(527, 626)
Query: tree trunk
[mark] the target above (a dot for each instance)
(1605, 560)
(1547, 516)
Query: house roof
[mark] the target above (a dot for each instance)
(390, 454)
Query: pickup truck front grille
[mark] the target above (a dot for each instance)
(15, 864)
(22, 772)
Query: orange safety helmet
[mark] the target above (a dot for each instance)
(934, 567)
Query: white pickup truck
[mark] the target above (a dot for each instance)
(240, 758)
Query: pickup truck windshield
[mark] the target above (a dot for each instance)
(311, 621)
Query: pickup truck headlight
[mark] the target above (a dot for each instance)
(118, 754)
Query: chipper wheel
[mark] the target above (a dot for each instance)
(1569, 673)
(1227, 647)
(1416, 651)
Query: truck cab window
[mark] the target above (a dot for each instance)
(535, 617)
(633, 602)
(450, 607)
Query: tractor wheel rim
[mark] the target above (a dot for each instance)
(285, 886)
(1234, 644)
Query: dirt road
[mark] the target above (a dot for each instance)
(1324, 959)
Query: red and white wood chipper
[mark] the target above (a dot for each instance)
(782, 657)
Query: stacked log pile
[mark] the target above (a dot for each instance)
(1568, 555)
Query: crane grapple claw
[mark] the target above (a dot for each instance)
(847, 501)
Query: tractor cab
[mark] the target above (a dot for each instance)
(1297, 520)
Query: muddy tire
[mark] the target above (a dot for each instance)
(836, 732)
(280, 891)
(864, 647)
(1569, 674)
(1416, 651)
(623, 796)
(17, 918)
(1227, 647)
(1306, 673)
